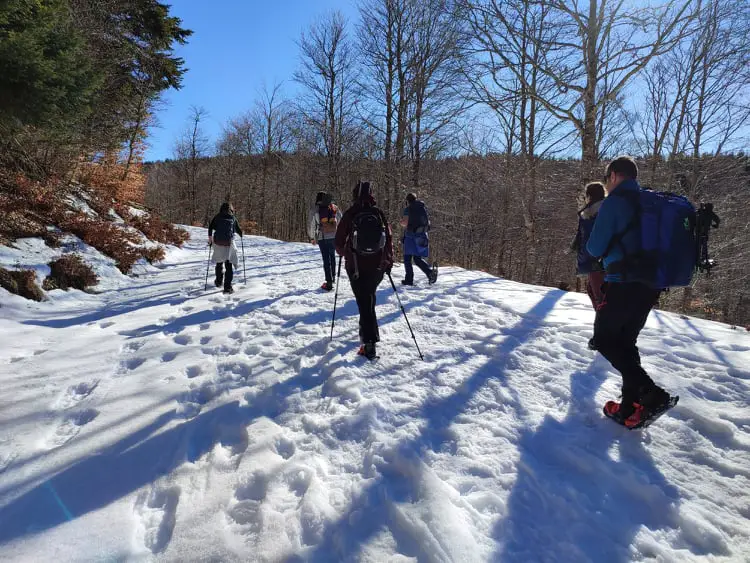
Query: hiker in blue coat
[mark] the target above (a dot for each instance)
(588, 265)
(626, 304)
(416, 240)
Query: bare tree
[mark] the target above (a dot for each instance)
(190, 148)
(327, 74)
(594, 51)
(436, 76)
(385, 35)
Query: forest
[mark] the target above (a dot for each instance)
(496, 114)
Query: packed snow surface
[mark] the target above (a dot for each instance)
(159, 421)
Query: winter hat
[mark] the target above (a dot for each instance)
(226, 207)
(411, 197)
(361, 191)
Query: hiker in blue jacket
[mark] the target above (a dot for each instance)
(626, 304)
(416, 240)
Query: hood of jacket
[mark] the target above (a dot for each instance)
(591, 210)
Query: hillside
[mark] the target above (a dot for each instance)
(154, 420)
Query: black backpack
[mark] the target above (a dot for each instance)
(419, 220)
(368, 232)
(224, 230)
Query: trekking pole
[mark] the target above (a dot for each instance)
(393, 285)
(335, 297)
(208, 265)
(244, 266)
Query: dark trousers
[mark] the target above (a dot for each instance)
(619, 319)
(328, 251)
(594, 283)
(364, 289)
(421, 264)
(229, 275)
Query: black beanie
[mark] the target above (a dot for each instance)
(361, 191)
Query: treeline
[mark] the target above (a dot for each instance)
(477, 211)
(497, 113)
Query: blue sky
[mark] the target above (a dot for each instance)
(237, 46)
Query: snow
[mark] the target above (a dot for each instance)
(158, 421)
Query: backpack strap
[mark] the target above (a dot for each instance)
(635, 220)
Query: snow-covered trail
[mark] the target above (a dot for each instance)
(160, 421)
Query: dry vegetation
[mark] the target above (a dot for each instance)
(21, 282)
(32, 208)
(70, 271)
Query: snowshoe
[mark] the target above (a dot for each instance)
(642, 417)
(368, 351)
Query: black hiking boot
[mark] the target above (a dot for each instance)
(228, 290)
(654, 399)
(407, 282)
(327, 286)
(433, 274)
(369, 351)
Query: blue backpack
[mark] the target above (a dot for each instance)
(668, 256)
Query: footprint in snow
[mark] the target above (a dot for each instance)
(298, 479)
(106, 324)
(156, 511)
(76, 393)
(70, 426)
(205, 340)
(193, 371)
(205, 326)
(285, 447)
(132, 363)
(190, 403)
(182, 339)
(168, 356)
(134, 346)
(254, 487)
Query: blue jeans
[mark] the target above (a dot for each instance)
(421, 264)
(328, 251)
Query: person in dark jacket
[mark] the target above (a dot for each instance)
(416, 240)
(322, 222)
(626, 304)
(221, 233)
(588, 265)
(364, 239)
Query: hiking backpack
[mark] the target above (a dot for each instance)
(668, 256)
(586, 262)
(418, 212)
(327, 217)
(224, 230)
(368, 232)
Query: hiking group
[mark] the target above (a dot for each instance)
(362, 237)
(632, 244)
